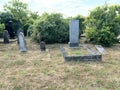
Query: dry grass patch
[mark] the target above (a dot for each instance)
(35, 70)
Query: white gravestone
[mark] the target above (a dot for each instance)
(74, 33)
(22, 43)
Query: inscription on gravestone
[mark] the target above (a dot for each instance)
(22, 43)
(6, 37)
(74, 33)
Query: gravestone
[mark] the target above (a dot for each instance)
(6, 37)
(18, 31)
(22, 43)
(74, 33)
(42, 46)
(10, 29)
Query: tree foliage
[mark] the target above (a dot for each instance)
(17, 8)
(19, 11)
(5, 17)
(103, 25)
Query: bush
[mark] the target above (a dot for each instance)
(51, 28)
(90, 33)
(81, 22)
(103, 25)
(2, 27)
(105, 37)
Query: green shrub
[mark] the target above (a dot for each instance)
(90, 33)
(103, 25)
(51, 28)
(81, 22)
(105, 37)
(2, 27)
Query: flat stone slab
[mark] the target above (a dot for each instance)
(88, 57)
(101, 49)
(91, 50)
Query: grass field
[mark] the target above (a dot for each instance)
(37, 70)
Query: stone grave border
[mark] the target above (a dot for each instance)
(90, 57)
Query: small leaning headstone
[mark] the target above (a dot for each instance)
(18, 31)
(22, 43)
(6, 37)
(42, 46)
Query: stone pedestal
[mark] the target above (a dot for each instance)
(73, 44)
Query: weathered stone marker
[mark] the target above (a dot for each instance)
(22, 43)
(6, 37)
(74, 33)
(42, 46)
(18, 31)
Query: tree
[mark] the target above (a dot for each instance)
(5, 17)
(17, 8)
(20, 11)
(102, 23)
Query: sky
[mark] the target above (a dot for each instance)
(66, 7)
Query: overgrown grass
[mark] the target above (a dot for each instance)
(36, 70)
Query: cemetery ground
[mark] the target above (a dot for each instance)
(36, 70)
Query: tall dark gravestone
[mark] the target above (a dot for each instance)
(6, 37)
(11, 29)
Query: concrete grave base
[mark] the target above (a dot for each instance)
(90, 57)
